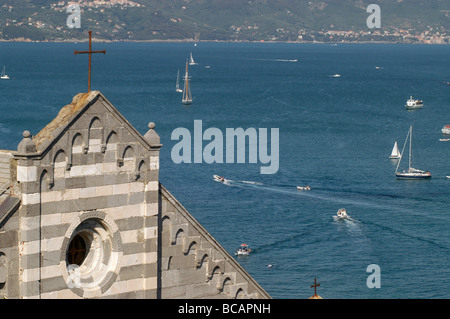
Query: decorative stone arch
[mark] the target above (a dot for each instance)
(140, 169)
(96, 133)
(180, 233)
(60, 156)
(174, 234)
(128, 152)
(225, 284)
(200, 261)
(78, 144)
(215, 272)
(239, 294)
(189, 247)
(59, 165)
(45, 179)
(111, 138)
(169, 262)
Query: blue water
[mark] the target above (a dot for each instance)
(336, 135)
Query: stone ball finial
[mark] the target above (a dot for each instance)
(151, 136)
(26, 145)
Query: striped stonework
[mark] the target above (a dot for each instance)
(93, 178)
(86, 217)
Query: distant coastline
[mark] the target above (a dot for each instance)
(24, 40)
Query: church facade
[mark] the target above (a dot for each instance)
(83, 215)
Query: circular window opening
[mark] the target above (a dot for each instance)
(77, 251)
(91, 255)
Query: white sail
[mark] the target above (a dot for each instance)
(4, 76)
(395, 152)
(187, 98)
(191, 60)
(177, 86)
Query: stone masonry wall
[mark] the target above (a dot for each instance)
(95, 181)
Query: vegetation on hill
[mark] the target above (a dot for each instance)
(230, 20)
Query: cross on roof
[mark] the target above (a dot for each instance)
(90, 53)
(315, 286)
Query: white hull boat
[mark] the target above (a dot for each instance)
(304, 188)
(410, 173)
(218, 178)
(4, 76)
(341, 214)
(243, 250)
(413, 104)
(446, 130)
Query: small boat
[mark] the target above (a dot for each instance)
(243, 250)
(413, 104)
(446, 130)
(336, 75)
(4, 76)
(341, 214)
(218, 178)
(447, 176)
(395, 154)
(304, 188)
(177, 86)
(187, 97)
(410, 173)
(191, 60)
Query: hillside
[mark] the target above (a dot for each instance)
(228, 20)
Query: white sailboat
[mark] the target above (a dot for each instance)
(4, 76)
(395, 154)
(410, 173)
(177, 86)
(187, 97)
(191, 60)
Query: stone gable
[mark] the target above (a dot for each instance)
(87, 217)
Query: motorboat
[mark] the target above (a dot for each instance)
(218, 178)
(446, 130)
(336, 75)
(341, 214)
(412, 104)
(243, 250)
(304, 188)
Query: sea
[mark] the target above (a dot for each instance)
(335, 135)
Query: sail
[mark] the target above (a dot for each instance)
(187, 98)
(395, 152)
(177, 86)
(191, 60)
